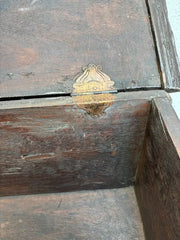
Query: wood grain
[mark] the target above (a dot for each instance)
(157, 186)
(169, 61)
(62, 148)
(92, 215)
(44, 44)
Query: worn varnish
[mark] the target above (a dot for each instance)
(63, 148)
(157, 186)
(93, 215)
(44, 44)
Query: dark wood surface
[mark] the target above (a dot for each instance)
(62, 148)
(158, 180)
(93, 215)
(44, 44)
(169, 61)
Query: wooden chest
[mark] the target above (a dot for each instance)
(89, 141)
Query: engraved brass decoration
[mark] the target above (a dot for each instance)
(93, 80)
(92, 91)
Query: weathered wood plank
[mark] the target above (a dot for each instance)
(158, 180)
(44, 44)
(169, 61)
(92, 215)
(62, 148)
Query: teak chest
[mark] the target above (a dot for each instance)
(89, 141)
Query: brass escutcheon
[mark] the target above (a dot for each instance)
(92, 91)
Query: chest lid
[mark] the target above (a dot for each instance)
(45, 44)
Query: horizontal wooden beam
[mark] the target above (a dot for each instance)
(58, 101)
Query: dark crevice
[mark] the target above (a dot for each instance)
(69, 94)
(139, 89)
(35, 96)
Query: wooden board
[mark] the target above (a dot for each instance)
(158, 182)
(44, 44)
(62, 148)
(92, 215)
(169, 61)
